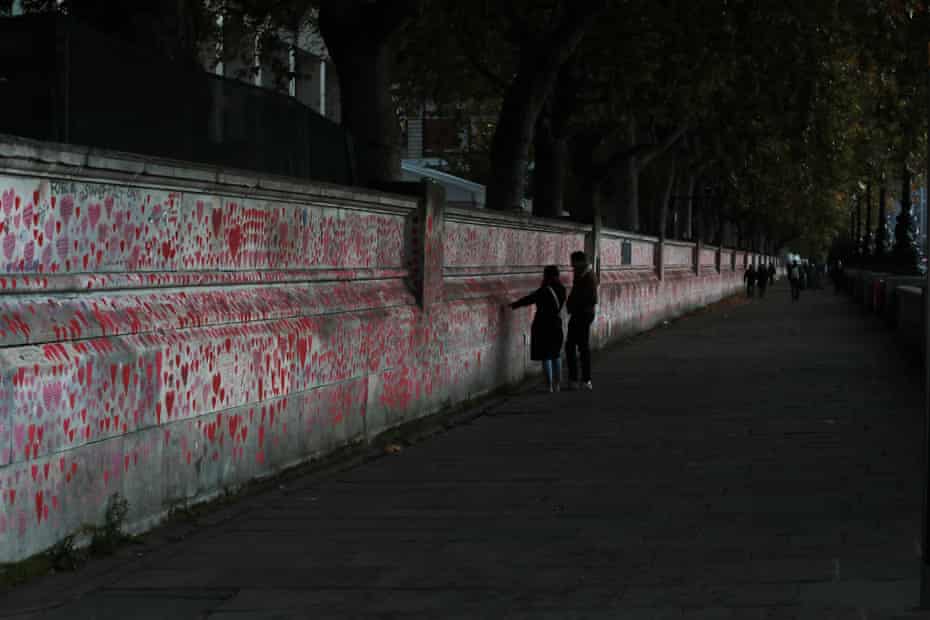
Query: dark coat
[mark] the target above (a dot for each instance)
(762, 277)
(546, 333)
(583, 297)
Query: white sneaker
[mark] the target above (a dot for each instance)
(556, 388)
(587, 386)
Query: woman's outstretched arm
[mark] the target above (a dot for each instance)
(529, 300)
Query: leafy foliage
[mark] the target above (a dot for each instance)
(787, 111)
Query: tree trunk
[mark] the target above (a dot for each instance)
(867, 241)
(667, 196)
(721, 225)
(689, 208)
(536, 75)
(858, 224)
(552, 149)
(549, 174)
(881, 237)
(697, 213)
(629, 196)
(358, 36)
(905, 247)
(583, 179)
(678, 202)
(511, 143)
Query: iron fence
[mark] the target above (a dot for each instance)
(61, 81)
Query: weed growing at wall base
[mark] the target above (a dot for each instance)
(67, 554)
(104, 540)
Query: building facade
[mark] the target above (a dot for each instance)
(293, 62)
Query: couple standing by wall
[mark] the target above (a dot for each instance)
(546, 334)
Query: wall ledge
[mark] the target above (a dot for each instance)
(485, 217)
(21, 156)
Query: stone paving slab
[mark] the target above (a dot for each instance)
(757, 461)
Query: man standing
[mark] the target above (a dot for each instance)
(762, 280)
(581, 303)
(750, 278)
(794, 276)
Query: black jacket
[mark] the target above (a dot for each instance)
(583, 297)
(546, 333)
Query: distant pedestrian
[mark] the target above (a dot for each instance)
(772, 274)
(794, 277)
(546, 335)
(750, 279)
(762, 280)
(581, 305)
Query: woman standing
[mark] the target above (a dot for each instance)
(546, 333)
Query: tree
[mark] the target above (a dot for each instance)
(544, 42)
(360, 35)
(510, 54)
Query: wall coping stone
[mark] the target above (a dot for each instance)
(505, 219)
(680, 244)
(620, 234)
(21, 156)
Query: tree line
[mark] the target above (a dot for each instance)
(752, 123)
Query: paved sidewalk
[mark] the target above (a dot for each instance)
(756, 461)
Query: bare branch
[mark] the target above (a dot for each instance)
(665, 145)
(475, 61)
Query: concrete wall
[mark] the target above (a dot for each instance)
(910, 318)
(896, 299)
(168, 332)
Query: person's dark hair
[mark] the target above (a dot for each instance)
(579, 257)
(551, 273)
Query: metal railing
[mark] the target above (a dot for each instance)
(61, 81)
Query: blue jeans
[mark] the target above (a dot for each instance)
(553, 370)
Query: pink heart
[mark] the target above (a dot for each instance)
(93, 213)
(51, 394)
(63, 244)
(8, 198)
(67, 208)
(49, 228)
(9, 246)
(19, 433)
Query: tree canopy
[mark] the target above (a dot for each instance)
(758, 123)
